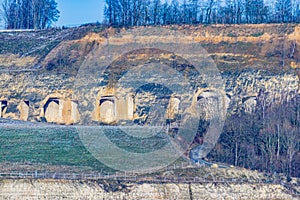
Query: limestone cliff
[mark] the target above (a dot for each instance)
(37, 83)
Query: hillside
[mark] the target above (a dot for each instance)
(232, 46)
(56, 81)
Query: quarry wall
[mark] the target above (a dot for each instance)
(42, 89)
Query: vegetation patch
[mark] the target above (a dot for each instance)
(257, 34)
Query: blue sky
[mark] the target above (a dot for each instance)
(76, 12)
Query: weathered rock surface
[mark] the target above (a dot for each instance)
(53, 189)
(43, 88)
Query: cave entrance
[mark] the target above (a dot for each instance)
(52, 110)
(3, 108)
(24, 110)
(107, 109)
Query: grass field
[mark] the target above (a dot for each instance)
(60, 148)
(49, 146)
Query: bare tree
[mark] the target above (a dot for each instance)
(283, 10)
(28, 14)
(194, 6)
(291, 144)
(209, 8)
(147, 12)
(156, 12)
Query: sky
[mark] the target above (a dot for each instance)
(77, 12)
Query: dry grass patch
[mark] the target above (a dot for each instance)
(13, 60)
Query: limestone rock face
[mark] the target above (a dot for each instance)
(54, 189)
(42, 87)
(50, 98)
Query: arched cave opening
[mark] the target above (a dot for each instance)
(51, 110)
(3, 107)
(107, 109)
